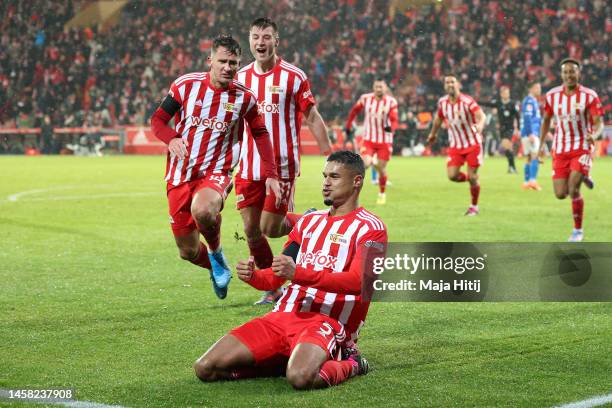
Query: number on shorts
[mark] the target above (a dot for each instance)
(586, 160)
(219, 179)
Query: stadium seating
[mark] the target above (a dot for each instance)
(90, 77)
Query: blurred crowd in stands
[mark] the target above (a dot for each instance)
(95, 77)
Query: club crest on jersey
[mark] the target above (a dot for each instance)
(319, 258)
(275, 89)
(338, 239)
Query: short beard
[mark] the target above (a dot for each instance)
(328, 201)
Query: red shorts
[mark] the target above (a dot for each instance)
(381, 150)
(565, 163)
(252, 193)
(180, 197)
(471, 155)
(278, 333)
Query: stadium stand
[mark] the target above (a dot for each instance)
(91, 76)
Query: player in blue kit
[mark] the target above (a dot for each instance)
(530, 129)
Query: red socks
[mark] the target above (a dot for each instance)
(262, 253)
(335, 372)
(475, 191)
(202, 258)
(212, 234)
(577, 211)
(382, 182)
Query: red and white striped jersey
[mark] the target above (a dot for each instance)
(379, 114)
(573, 116)
(460, 118)
(211, 121)
(329, 245)
(283, 95)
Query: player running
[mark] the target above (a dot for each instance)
(465, 121)
(530, 132)
(209, 111)
(283, 98)
(380, 122)
(577, 111)
(322, 309)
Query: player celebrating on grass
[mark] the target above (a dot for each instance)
(283, 96)
(380, 122)
(530, 135)
(465, 121)
(322, 308)
(209, 110)
(577, 110)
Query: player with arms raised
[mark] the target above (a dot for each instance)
(283, 98)
(380, 121)
(577, 111)
(465, 121)
(322, 308)
(209, 110)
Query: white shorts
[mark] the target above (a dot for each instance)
(531, 145)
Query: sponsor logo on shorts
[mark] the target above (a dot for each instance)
(171, 219)
(239, 198)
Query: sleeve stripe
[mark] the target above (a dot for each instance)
(371, 219)
(293, 69)
(189, 77)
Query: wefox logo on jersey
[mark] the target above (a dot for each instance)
(319, 258)
(263, 107)
(208, 123)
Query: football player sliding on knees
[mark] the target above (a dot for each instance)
(311, 333)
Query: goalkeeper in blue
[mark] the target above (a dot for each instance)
(530, 130)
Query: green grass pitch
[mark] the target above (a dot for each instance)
(95, 298)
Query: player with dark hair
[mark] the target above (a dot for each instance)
(508, 120)
(322, 309)
(577, 111)
(465, 121)
(209, 111)
(283, 98)
(530, 133)
(380, 121)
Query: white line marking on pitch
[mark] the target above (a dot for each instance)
(90, 196)
(4, 394)
(19, 196)
(589, 403)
